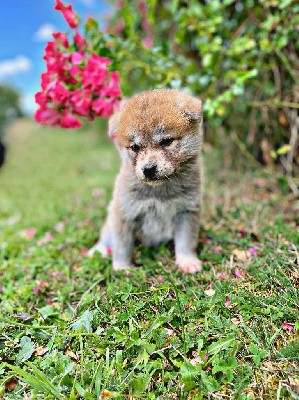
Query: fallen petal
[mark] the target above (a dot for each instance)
(287, 326)
(196, 360)
(40, 351)
(252, 251)
(84, 251)
(227, 302)
(209, 292)
(238, 273)
(59, 227)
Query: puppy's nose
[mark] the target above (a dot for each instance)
(149, 170)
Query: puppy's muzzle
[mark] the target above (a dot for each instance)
(149, 171)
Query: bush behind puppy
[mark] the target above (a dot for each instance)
(157, 194)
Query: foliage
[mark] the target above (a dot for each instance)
(240, 57)
(73, 329)
(9, 105)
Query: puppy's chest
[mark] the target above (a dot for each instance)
(154, 220)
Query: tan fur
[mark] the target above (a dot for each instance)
(157, 195)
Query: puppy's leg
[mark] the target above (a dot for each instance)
(122, 240)
(104, 244)
(185, 240)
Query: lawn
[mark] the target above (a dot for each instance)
(71, 328)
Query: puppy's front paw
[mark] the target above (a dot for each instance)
(189, 264)
(103, 250)
(117, 266)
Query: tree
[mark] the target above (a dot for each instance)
(9, 108)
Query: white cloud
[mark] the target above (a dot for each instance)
(44, 33)
(15, 66)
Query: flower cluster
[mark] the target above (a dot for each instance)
(76, 83)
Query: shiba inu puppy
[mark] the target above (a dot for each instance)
(157, 194)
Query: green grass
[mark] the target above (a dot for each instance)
(150, 333)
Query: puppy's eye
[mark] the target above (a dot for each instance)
(135, 148)
(166, 142)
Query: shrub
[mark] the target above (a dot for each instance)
(240, 57)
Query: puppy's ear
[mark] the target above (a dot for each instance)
(113, 125)
(114, 121)
(190, 106)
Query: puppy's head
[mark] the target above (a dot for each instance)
(157, 132)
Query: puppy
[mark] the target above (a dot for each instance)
(157, 194)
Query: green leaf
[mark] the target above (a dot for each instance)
(26, 350)
(84, 321)
(138, 385)
(188, 372)
(37, 380)
(283, 149)
(221, 344)
(226, 366)
(209, 382)
(48, 311)
(253, 348)
(199, 344)
(256, 359)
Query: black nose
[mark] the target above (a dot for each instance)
(149, 170)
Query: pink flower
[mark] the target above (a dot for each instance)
(59, 227)
(147, 42)
(111, 88)
(80, 42)
(69, 121)
(206, 356)
(241, 234)
(41, 98)
(47, 238)
(76, 58)
(142, 7)
(75, 83)
(102, 107)
(61, 37)
(35, 290)
(222, 275)
(59, 93)
(40, 285)
(97, 192)
(48, 116)
(287, 326)
(227, 302)
(75, 72)
(252, 251)
(95, 72)
(117, 28)
(109, 250)
(218, 249)
(238, 273)
(84, 251)
(68, 14)
(146, 24)
(28, 233)
(81, 101)
(46, 80)
(196, 360)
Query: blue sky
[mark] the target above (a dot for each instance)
(25, 28)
